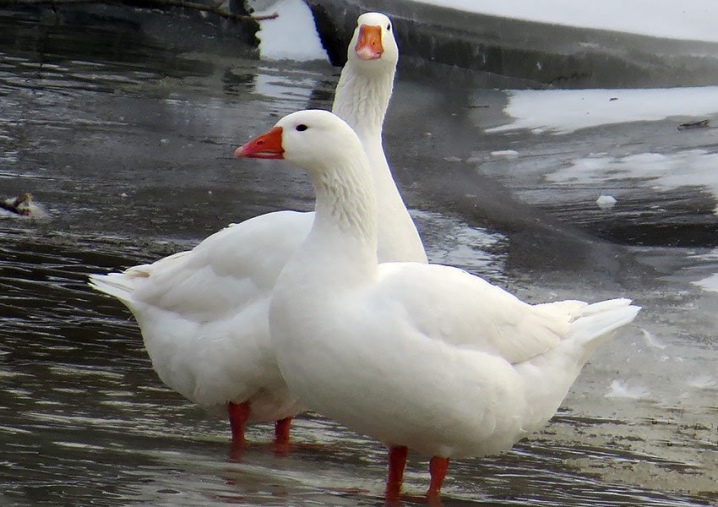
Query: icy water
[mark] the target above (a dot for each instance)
(127, 146)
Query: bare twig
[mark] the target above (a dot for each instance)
(213, 9)
(701, 124)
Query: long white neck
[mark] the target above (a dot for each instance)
(343, 240)
(362, 98)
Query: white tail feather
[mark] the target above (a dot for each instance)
(548, 377)
(115, 284)
(594, 324)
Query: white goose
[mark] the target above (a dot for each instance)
(426, 357)
(203, 313)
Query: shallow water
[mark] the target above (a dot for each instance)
(128, 147)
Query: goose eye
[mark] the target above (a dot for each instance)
(388, 28)
(301, 128)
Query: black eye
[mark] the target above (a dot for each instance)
(301, 127)
(388, 28)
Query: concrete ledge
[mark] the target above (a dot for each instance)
(544, 54)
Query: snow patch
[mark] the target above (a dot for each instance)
(291, 36)
(709, 284)
(505, 153)
(606, 201)
(565, 111)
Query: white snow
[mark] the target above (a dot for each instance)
(565, 111)
(709, 284)
(661, 172)
(291, 36)
(505, 153)
(684, 20)
(606, 201)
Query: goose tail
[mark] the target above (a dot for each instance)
(548, 377)
(114, 284)
(597, 323)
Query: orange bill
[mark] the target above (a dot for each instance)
(369, 45)
(268, 145)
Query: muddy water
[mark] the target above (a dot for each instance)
(127, 147)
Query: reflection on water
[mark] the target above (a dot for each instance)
(128, 146)
(455, 243)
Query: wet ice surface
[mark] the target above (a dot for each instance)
(130, 156)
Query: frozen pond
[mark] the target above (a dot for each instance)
(128, 148)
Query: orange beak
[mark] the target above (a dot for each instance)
(369, 45)
(268, 145)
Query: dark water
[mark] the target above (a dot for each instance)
(127, 146)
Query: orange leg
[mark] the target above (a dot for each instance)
(281, 431)
(281, 435)
(437, 468)
(238, 415)
(395, 478)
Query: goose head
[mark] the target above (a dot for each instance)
(313, 140)
(373, 41)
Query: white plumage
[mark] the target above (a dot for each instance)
(203, 313)
(427, 357)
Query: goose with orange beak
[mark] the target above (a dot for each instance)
(203, 312)
(421, 357)
(368, 76)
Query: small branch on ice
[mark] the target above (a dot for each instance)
(701, 124)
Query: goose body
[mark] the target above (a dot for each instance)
(426, 357)
(203, 313)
